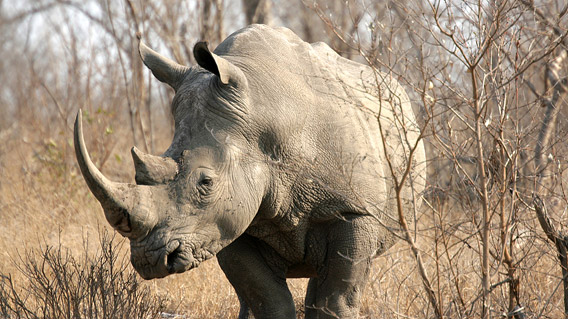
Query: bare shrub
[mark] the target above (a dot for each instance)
(61, 285)
(478, 71)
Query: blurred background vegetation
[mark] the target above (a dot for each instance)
(487, 79)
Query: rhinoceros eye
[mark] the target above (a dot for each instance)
(205, 186)
(206, 181)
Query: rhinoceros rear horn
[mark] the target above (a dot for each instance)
(223, 69)
(164, 69)
(153, 170)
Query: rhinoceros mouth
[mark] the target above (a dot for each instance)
(177, 256)
(185, 257)
(180, 259)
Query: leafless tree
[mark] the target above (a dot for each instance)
(473, 69)
(487, 79)
(257, 11)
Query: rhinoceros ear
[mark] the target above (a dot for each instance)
(164, 69)
(223, 69)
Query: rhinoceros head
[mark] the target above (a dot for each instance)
(205, 190)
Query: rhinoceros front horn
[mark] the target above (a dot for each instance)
(120, 201)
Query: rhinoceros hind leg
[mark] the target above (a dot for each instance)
(337, 290)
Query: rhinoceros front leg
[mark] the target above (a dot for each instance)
(337, 290)
(244, 311)
(259, 286)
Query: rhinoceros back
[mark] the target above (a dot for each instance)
(325, 109)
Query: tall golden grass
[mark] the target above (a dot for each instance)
(49, 217)
(45, 205)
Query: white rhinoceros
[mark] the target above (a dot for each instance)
(277, 167)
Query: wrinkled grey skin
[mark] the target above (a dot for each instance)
(276, 167)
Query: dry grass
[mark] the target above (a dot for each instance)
(53, 64)
(48, 213)
(45, 203)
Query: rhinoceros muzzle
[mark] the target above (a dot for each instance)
(128, 207)
(174, 257)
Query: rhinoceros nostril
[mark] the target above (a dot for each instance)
(172, 259)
